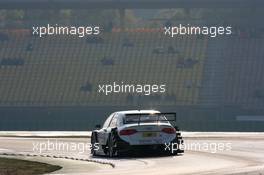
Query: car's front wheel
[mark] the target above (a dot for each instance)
(93, 142)
(112, 145)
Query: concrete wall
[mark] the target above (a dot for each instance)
(85, 118)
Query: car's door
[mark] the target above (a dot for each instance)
(104, 131)
(112, 124)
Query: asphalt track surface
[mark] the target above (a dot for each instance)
(207, 153)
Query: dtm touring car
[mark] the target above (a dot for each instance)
(124, 131)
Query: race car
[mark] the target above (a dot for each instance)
(124, 131)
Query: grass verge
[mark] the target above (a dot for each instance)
(10, 166)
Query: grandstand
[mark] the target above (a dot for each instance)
(60, 75)
(51, 83)
(55, 68)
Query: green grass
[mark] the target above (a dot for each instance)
(10, 166)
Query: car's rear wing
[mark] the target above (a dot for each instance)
(150, 117)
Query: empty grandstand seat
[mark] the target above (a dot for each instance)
(29, 47)
(172, 50)
(87, 88)
(12, 62)
(159, 50)
(107, 61)
(95, 40)
(187, 63)
(127, 43)
(4, 37)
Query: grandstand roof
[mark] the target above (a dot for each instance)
(127, 4)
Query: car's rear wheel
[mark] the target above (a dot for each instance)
(175, 147)
(112, 145)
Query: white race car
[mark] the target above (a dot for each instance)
(124, 131)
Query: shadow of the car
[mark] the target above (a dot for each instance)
(140, 154)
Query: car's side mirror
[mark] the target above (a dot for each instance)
(97, 126)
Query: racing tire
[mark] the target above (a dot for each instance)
(112, 145)
(175, 152)
(93, 141)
